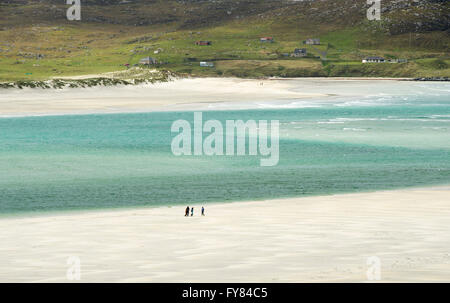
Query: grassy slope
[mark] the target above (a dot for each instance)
(74, 48)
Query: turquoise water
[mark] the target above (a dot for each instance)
(77, 162)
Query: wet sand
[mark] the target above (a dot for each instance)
(311, 239)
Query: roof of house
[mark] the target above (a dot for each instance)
(374, 58)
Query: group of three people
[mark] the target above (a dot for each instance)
(186, 214)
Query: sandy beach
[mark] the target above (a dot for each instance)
(308, 239)
(190, 94)
(311, 239)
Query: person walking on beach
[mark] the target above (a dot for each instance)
(192, 211)
(186, 214)
(203, 211)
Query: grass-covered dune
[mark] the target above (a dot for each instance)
(38, 43)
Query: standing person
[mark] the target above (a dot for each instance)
(192, 211)
(186, 214)
(203, 211)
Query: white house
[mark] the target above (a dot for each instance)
(148, 61)
(397, 60)
(374, 60)
(299, 52)
(312, 41)
(206, 64)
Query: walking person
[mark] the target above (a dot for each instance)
(203, 211)
(186, 214)
(192, 211)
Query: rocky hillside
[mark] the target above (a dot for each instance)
(399, 16)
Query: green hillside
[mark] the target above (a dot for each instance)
(37, 42)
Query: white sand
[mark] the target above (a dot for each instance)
(314, 239)
(189, 94)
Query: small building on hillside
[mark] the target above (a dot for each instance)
(374, 60)
(312, 41)
(299, 53)
(266, 39)
(206, 64)
(148, 61)
(203, 43)
(397, 60)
